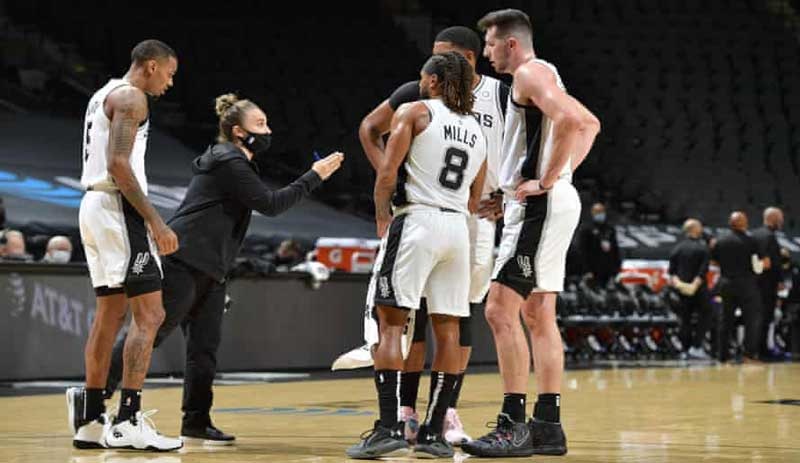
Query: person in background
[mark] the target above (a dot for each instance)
(14, 248)
(59, 250)
(772, 276)
(739, 261)
(688, 266)
(599, 248)
(288, 255)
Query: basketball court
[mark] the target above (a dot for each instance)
(679, 413)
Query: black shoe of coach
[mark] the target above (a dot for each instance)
(208, 435)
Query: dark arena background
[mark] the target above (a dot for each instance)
(699, 102)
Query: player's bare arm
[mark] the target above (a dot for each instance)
(127, 108)
(476, 189)
(409, 120)
(371, 131)
(574, 127)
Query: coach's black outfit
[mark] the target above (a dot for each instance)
(768, 281)
(600, 251)
(738, 288)
(211, 224)
(689, 260)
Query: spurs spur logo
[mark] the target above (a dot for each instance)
(383, 284)
(141, 260)
(524, 263)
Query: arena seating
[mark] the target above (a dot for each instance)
(687, 129)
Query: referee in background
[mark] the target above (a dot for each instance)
(688, 266)
(739, 261)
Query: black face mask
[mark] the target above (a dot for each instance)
(257, 143)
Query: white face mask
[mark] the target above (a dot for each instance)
(59, 257)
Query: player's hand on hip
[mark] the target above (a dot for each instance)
(529, 188)
(166, 240)
(491, 208)
(326, 166)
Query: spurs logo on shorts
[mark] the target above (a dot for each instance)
(141, 261)
(383, 284)
(525, 267)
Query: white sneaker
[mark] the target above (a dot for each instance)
(92, 434)
(453, 429)
(75, 408)
(140, 433)
(409, 416)
(86, 434)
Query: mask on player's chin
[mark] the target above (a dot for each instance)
(257, 143)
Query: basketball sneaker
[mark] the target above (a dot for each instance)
(431, 445)
(453, 429)
(548, 438)
(380, 441)
(507, 439)
(139, 433)
(411, 419)
(85, 434)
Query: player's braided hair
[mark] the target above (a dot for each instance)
(456, 75)
(231, 111)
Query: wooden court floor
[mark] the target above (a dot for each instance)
(708, 413)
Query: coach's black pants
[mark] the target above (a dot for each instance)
(196, 302)
(743, 293)
(696, 307)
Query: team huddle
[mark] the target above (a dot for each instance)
(462, 151)
(435, 259)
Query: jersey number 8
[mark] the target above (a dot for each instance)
(452, 174)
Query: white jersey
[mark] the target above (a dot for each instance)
(528, 143)
(443, 161)
(491, 96)
(96, 130)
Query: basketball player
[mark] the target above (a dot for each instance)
(490, 97)
(547, 136)
(439, 149)
(118, 224)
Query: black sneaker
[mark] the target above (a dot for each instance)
(380, 441)
(431, 445)
(508, 439)
(209, 435)
(548, 438)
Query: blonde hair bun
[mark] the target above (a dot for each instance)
(224, 102)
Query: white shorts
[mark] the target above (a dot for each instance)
(425, 253)
(536, 238)
(481, 257)
(119, 251)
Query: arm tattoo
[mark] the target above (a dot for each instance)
(124, 125)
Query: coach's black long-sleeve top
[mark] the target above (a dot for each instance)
(733, 252)
(212, 220)
(767, 243)
(689, 260)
